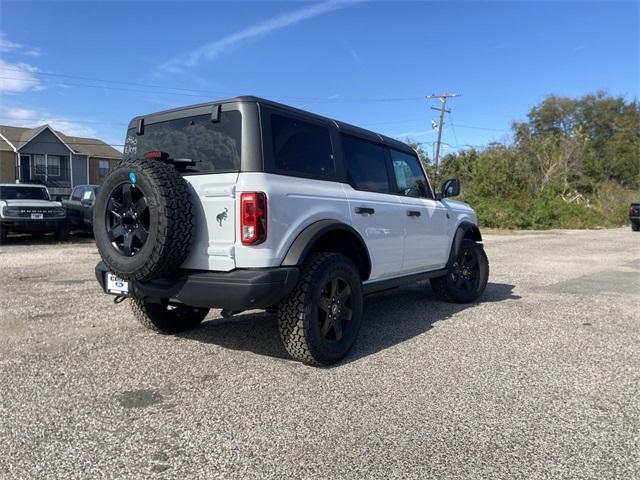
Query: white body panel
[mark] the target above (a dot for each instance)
(383, 231)
(213, 198)
(30, 203)
(426, 239)
(398, 244)
(293, 204)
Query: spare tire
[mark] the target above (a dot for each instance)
(143, 220)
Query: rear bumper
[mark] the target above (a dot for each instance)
(240, 289)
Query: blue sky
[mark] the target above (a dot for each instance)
(341, 59)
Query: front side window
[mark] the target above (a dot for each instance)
(366, 165)
(214, 147)
(301, 147)
(410, 179)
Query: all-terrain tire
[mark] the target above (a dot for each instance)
(4, 231)
(300, 320)
(448, 287)
(170, 220)
(635, 226)
(165, 318)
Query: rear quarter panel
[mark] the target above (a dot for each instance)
(293, 204)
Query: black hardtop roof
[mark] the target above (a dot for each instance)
(342, 126)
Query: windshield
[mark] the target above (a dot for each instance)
(214, 147)
(24, 193)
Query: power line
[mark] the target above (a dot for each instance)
(453, 129)
(197, 93)
(481, 128)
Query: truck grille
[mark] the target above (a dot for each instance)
(26, 212)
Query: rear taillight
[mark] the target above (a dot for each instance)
(253, 218)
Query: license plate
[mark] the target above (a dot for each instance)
(37, 216)
(116, 285)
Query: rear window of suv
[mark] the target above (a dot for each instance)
(301, 147)
(213, 146)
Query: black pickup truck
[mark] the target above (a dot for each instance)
(634, 216)
(80, 206)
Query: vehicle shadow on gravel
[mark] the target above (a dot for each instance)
(390, 318)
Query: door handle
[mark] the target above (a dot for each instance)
(413, 213)
(365, 210)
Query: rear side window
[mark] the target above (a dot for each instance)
(366, 165)
(410, 179)
(301, 147)
(213, 146)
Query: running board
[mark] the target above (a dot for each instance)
(381, 285)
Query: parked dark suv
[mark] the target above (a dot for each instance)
(80, 206)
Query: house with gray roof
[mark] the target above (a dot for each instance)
(49, 157)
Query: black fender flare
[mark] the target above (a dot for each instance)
(461, 232)
(304, 241)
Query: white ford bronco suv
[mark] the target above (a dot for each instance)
(28, 208)
(249, 204)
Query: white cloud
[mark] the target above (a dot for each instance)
(29, 118)
(18, 77)
(7, 46)
(212, 50)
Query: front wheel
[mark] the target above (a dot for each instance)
(4, 231)
(467, 278)
(635, 226)
(163, 317)
(319, 321)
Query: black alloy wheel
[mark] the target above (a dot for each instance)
(334, 309)
(127, 219)
(467, 277)
(465, 271)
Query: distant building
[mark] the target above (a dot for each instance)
(49, 157)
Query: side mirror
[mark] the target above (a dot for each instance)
(450, 188)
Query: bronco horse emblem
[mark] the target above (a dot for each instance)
(222, 216)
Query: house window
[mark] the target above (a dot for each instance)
(39, 166)
(103, 168)
(53, 165)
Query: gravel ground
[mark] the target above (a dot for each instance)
(540, 379)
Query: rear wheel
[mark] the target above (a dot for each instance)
(467, 277)
(320, 320)
(167, 318)
(635, 226)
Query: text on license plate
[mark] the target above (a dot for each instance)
(37, 216)
(116, 285)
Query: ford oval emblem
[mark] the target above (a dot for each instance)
(133, 178)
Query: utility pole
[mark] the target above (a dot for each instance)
(443, 103)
